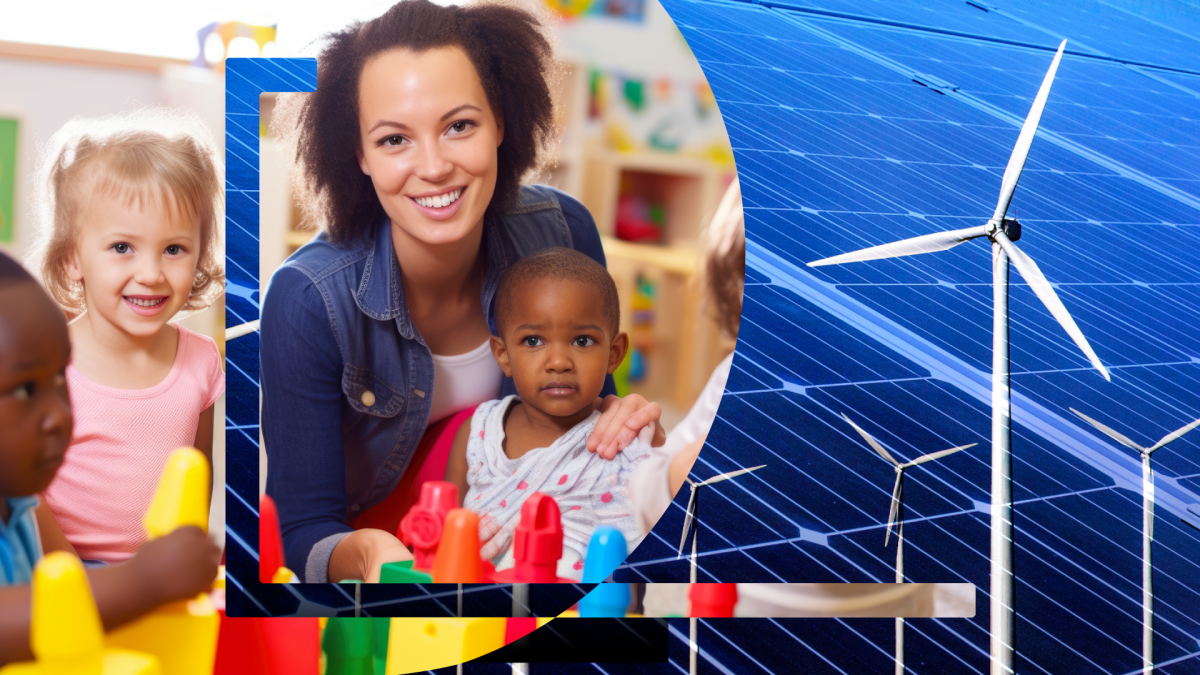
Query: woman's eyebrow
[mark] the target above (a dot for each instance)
(387, 123)
(455, 111)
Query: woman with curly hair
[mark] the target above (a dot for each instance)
(409, 156)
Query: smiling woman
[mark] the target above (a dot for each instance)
(410, 156)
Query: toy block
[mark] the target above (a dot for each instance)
(271, 567)
(537, 543)
(268, 646)
(712, 600)
(457, 560)
(350, 646)
(182, 495)
(403, 572)
(183, 635)
(605, 552)
(416, 645)
(519, 627)
(65, 634)
(421, 528)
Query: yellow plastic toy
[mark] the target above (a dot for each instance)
(183, 635)
(416, 645)
(66, 635)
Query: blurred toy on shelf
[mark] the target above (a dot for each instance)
(712, 600)
(639, 220)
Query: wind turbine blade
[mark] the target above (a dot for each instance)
(929, 243)
(1116, 435)
(1172, 436)
(688, 517)
(896, 497)
(727, 476)
(871, 441)
(1045, 292)
(1012, 173)
(938, 455)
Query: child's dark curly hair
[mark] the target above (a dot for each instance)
(514, 61)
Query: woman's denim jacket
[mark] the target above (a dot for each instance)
(346, 378)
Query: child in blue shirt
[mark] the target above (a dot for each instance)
(35, 430)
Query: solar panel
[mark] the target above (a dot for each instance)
(853, 131)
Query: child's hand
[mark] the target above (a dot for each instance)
(493, 539)
(621, 420)
(178, 566)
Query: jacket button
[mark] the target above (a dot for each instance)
(368, 399)
(354, 507)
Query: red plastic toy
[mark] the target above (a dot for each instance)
(274, 646)
(421, 528)
(712, 600)
(537, 543)
(270, 543)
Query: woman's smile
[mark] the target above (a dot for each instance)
(440, 206)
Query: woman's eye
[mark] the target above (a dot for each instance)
(531, 341)
(584, 341)
(23, 391)
(460, 126)
(121, 248)
(174, 249)
(392, 140)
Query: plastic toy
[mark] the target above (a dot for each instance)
(421, 528)
(605, 552)
(537, 544)
(66, 635)
(425, 644)
(274, 646)
(183, 635)
(271, 568)
(712, 600)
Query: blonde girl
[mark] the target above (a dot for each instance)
(130, 209)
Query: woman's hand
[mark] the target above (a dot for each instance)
(621, 420)
(361, 555)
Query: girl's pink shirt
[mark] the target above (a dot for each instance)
(120, 445)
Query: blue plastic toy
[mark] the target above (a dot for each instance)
(605, 552)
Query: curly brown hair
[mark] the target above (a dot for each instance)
(514, 60)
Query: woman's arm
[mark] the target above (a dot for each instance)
(301, 369)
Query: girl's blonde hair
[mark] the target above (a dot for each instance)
(145, 156)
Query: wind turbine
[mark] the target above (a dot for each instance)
(1147, 526)
(691, 525)
(1002, 232)
(897, 516)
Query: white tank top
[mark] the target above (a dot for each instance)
(464, 380)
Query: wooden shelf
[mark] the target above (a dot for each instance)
(682, 260)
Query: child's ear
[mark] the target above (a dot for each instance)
(71, 265)
(500, 353)
(616, 351)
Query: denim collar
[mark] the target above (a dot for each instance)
(380, 293)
